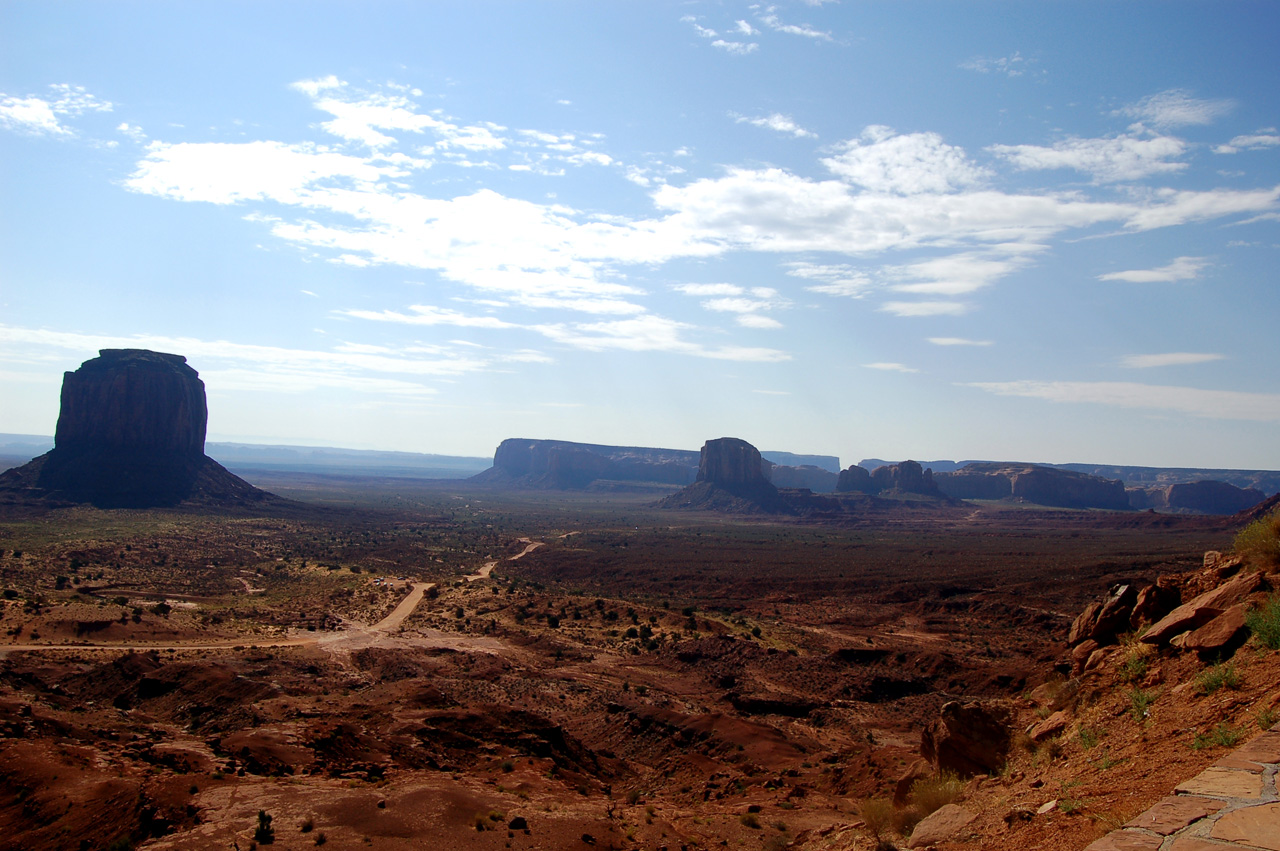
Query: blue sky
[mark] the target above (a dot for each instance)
(1032, 231)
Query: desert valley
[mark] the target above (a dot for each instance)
(604, 647)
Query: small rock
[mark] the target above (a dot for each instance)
(1052, 726)
(518, 823)
(1047, 807)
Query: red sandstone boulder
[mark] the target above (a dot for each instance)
(968, 738)
(1223, 634)
(1203, 609)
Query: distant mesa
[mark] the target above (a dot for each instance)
(1196, 497)
(564, 465)
(1035, 484)
(130, 434)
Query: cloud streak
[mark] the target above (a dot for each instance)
(1209, 404)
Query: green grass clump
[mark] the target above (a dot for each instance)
(1218, 677)
(1222, 736)
(1140, 701)
(1264, 623)
(1088, 737)
(1134, 667)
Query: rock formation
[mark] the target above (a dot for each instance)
(968, 738)
(562, 464)
(1033, 483)
(1204, 497)
(730, 478)
(130, 434)
(907, 477)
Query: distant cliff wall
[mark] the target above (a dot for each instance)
(563, 464)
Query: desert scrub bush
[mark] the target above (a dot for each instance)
(1140, 702)
(1264, 623)
(931, 794)
(1134, 667)
(1220, 676)
(1259, 542)
(1087, 736)
(1223, 736)
(750, 820)
(1267, 717)
(877, 817)
(264, 832)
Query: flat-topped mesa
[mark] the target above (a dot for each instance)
(133, 400)
(732, 462)
(130, 434)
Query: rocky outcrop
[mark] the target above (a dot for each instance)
(1033, 483)
(968, 738)
(907, 477)
(130, 434)
(730, 478)
(830, 463)
(730, 462)
(1203, 608)
(856, 479)
(561, 464)
(1203, 497)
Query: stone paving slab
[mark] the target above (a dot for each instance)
(1234, 804)
(1173, 814)
(1258, 826)
(1223, 783)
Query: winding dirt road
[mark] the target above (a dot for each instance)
(352, 637)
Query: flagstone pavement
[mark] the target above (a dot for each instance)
(1233, 804)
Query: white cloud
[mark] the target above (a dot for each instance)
(705, 32)
(226, 365)
(1169, 359)
(1176, 108)
(779, 122)
(1169, 207)
(907, 164)
(958, 274)
(755, 320)
(710, 289)
(958, 341)
(41, 115)
(1212, 404)
(838, 280)
(1181, 269)
(1127, 157)
(1010, 66)
(744, 28)
(421, 314)
(772, 21)
(1255, 142)
(890, 367)
(924, 308)
(650, 334)
(737, 48)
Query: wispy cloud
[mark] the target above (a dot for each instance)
(779, 122)
(229, 365)
(42, 115)
(771, 20)
(1256, 142)
(1211, 404)
(749, 303)
(838, 279)
(958, 341)
(650, 334)
(1181, 269)
(737, 48)
(421, 314)
(890, 367)
(1013, 65)
(1169, 359)
(1127, 157)
(1177, 108)
(925, 308)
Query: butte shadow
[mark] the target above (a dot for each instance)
(130, 434)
